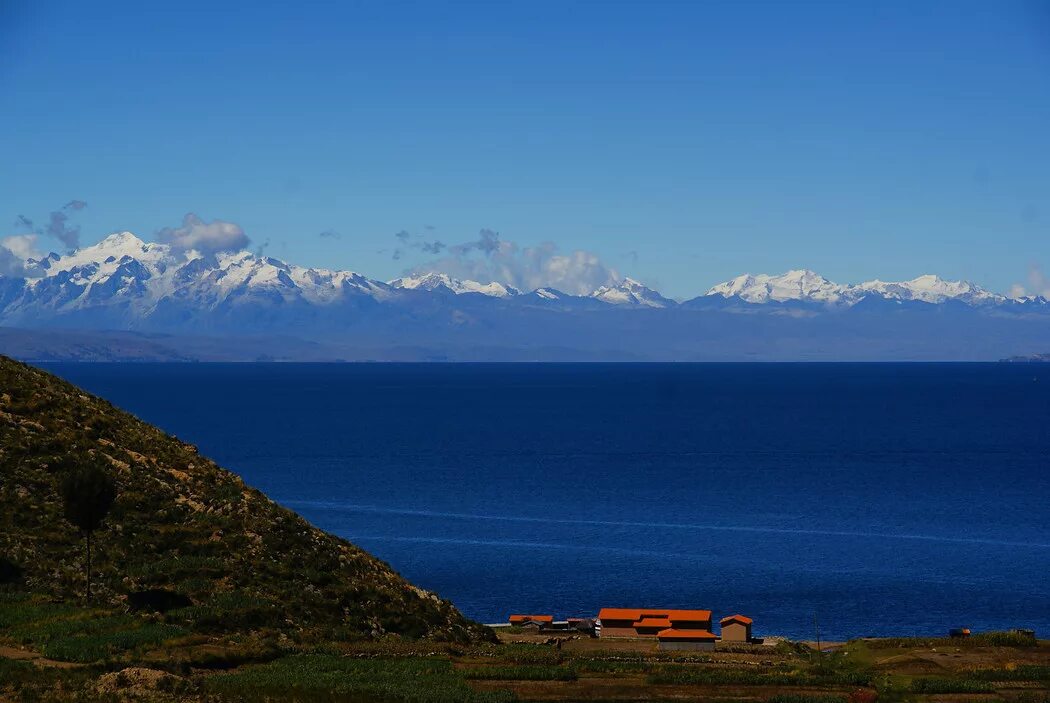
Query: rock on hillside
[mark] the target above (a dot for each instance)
(182, 523)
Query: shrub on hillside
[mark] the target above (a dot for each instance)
(10, 572)
(159, 600)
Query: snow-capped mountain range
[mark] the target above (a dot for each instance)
(144, 273)
(124, 283)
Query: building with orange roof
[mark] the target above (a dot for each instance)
(686, 640)
(649, 622)
(736, 628)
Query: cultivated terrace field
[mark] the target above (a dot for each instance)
(53, 651)
(205, 590)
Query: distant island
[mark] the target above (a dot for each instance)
(1031, 358)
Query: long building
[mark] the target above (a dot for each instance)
(648, 622)
(686, 640)
(541, 620)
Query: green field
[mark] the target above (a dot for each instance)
(68, 651)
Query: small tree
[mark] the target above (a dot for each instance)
(88, 492)
(9, 571)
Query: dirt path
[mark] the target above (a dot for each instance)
(35, 658)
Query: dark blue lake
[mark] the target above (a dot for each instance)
(882, 498)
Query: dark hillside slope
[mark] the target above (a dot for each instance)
(184, 524)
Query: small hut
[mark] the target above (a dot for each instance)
(736, 628)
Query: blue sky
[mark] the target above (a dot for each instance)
(680, 143)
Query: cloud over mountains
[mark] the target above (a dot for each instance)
(58, 225)
(205, 237)
(490, 258)
(14, 251)
(1038, 284)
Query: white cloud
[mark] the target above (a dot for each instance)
(205, 237)
(489, 258)
(22, 245)
(1038, 284)
(14, 251)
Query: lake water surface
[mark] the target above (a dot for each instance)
(879, 498)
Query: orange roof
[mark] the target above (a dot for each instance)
(737, 618)
(635, 614)
(515, 619)
(672, 634)
(653, 622)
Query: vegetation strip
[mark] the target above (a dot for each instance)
(522, 673)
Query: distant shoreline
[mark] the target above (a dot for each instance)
(1030, 359)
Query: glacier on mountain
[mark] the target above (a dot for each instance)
(805, 285)
(435, 281)
(631, 292)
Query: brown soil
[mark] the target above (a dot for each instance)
(34, 657)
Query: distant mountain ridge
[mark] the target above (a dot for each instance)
(125, 284)
(438, 281)
(805, 285)
(124, 266)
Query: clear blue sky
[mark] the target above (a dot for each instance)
(684, 143)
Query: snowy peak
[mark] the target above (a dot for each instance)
(119, 241)
(800, 284)
(631, 292)
(111, 249)
(548, 293)
(435, 281)
(807, 286)
(931, 289)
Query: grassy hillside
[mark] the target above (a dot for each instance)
(183, 524)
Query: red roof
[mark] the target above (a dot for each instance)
(672, 634)
(653, 622)
(737, 618)
(635, 614)
(517, 619)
